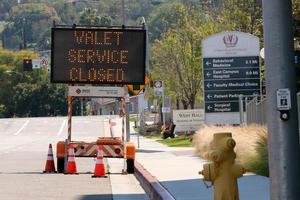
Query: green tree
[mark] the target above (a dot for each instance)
(27, 25)
(162, 18)
(243, 15)
(90, 16)
(5, 6)
(10, 75)
(176, 57)
(28, 93)
(67, 12)
(41, 99)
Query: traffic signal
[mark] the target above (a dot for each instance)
(27, 65)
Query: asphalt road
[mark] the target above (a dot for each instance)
(23, 152)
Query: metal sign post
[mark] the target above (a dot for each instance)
(163, 113)
(70, 99)
(127, 101)
(159, 92)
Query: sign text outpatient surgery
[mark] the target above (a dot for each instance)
(99, 56)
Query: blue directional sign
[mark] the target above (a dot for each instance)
(226, 78)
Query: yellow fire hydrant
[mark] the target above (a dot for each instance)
(223, 171)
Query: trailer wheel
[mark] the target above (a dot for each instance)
(60, 165)
(130, 166)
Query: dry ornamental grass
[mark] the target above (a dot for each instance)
(246, 138)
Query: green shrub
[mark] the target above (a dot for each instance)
(258, 164)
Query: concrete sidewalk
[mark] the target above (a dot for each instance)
(172, 173)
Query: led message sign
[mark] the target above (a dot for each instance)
(98, 56)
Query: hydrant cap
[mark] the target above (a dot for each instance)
(216, 156)
(223, 141)
(230, 143)
(219, 136)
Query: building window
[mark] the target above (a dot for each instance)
(131, 107)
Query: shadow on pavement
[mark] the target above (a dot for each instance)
(191, 189)
(96, 197)
(190, 153)
(110, 197)
(16, 173)
(148, 151)
(250, 187)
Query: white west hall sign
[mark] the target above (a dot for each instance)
(188, 120)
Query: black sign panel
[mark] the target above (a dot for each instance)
(233, 84)
(98, 56)
(228, 95)
(221, 107)
(231, 62)
(231, 73)
(225, 78)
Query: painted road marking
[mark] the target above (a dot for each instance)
(24, 125)
(62, 127)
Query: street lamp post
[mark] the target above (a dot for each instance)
(24, 33)
(283, 137)
(123, 13)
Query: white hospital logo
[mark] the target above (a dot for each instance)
(230, 40)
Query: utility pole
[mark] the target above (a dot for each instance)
(163, 112)
(24, 33)
(127, 125)
(81, 106)
(123, 12)
(283, 132)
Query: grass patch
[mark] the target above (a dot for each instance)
(2, 25)
(132, 118)
(153, 136)
(258, 164)
(180, 141)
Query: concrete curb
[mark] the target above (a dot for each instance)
(150, 184)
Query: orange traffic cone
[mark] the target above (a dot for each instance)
(71, 165)
(99, 167)
(50, 167)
